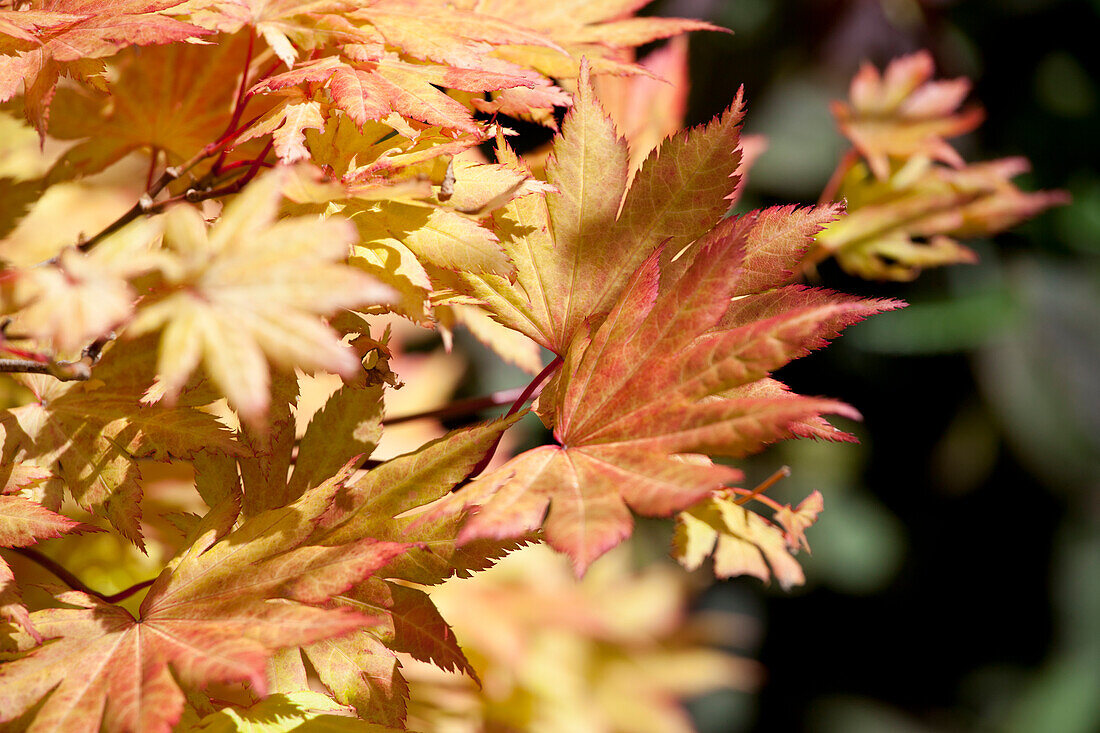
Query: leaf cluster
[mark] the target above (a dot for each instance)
(218, 211)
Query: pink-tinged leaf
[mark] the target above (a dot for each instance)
(318, 573)
(357, 93)
(89, 433)
(70, 48)
(796, 521)
(772, 392)
(349, 425)
(24, 522)
(317, 71)
(287, 123)
(535, 104)
(902, 113)
(675, 372)
(420, 631)
(11, 603)
(633, 31)
(910, 221)
(388, 503)
(742, 542)
(681, 192)
(361, 671)
(411, 95)
(290, 138)
(648, 109)
(588, 168)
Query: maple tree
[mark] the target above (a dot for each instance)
(315, 171)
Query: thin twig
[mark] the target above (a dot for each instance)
(56, 568)
(764, 485)
(145, 204)
(74, 582)
(461, 408)
(528, 392)
(65, 371)
(238, 106)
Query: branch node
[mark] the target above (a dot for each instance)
(71, 371)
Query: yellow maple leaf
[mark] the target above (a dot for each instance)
(251, 290)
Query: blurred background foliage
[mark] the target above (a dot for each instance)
(955, 580)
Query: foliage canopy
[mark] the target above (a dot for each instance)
(312, 169)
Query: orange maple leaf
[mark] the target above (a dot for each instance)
(901, 113)
(675, 371)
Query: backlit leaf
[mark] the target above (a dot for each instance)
(625, 415)
(208, 617)
(250, 290)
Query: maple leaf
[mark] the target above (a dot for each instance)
(456, 36)
(207, 618)
(361, 670)
(901, 113)
(625, 412)
(22, 523)
(740, 540)
(88, 434)
(251, 290)
(373, 89)
(286, 123)
(913, 219)
(574, 249)
(281, 23)
(387, 504)
(79, 297)
(71, 40)
(410, 229)
(174, 98)
(436, 236)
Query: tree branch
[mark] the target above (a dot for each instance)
(65, 371)
(66, 577)
(145, 204)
